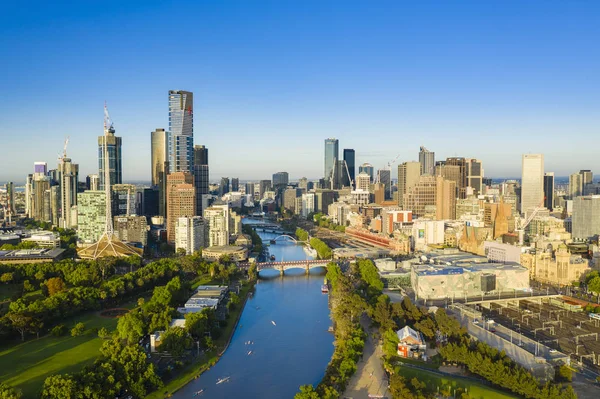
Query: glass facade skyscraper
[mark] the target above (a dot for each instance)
(113, 144)
(349, 158)
(181, 131)
(331, 158)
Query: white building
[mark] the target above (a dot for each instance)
(427, 232)
(217, 221)
(360, 197)
(586, 217)
(308, 204)
(339, 211)
(190, 234)
(363, 181)
(501, 252)
(532, 182)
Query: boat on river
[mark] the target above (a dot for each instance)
(309, 251)
(272, 257)
(325, 289)
(222, 380)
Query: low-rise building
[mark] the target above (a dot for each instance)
(31, 255)
(44, 239)
(411, 343)
(236, 253)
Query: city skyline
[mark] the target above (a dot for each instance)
(466, 89)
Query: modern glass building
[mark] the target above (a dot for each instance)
(349, 158)
(427, 161)
(200, 170)
(368, 169)
(181, 131)
(532, 182)
(331, 157)
(115, 170)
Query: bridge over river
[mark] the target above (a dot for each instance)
(283, 266)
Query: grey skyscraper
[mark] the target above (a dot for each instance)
(331, 158)
(68, 177)
(384, 176)
(235, 184)
(427, 161)
(181, 131)
(113, 148)
(549, 190)
(368, 169)
(200, 176)
(224, 187)
(475, 175)
(587, 176)
(349, 158)
(160, 167)
(280, 180)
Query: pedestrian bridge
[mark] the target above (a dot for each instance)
(283, 266)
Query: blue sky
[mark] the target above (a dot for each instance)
(273, 79)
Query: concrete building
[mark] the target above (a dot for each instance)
(280, 179)
(421, 195)
(324, 198)
(91, 215)
(384, 176)
(426, 161)
(408, 176)
(575, 185)
(190, 234)
(235, 253)
(92, 182)
(44, 239)
(549, 191)
(68, 173)
(250, 189)
(532, 182)
(224, 186)
(360, 197)
(445, 203)
(181, 200)
(338, 212)
(303, 184)
(264, 186)
(180, 138)
(159, 167)
(498, 252)
(475, 175)
(201, 176)
(427, 232)
(363, 181)
(131, 228)
(289, 198)
(587, 177)
(560, 268)
(124, 201)
(462, 181)
(368, 169)
(308, 204)
(217, 221)
(586, 217)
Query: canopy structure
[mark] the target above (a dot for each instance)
(108, 246)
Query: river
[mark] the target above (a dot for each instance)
(284, 356)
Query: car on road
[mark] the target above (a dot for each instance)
(553, 351)
(492, 330)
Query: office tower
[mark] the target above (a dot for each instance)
(475, 175)
(159, 167)
(68, 173)
(91, 215)
(368, 169)
(532, 182)
(124, 201)
(224, 186)
(289, 198)
(280, 180)
(55, 209)
(445, 204)
(10, 198)
(201, 176)
(587, 177)
(181, 200)
(190, 234)
(40, 168)
(338, 175)
(303, 183)
(150, 202)
(308, 204)
(264, 186)
(323, 198)
(92, 182)
(180, 138)
(575, 185)
(331, 158)
(549, 190)
(363, 181)
(250, 189)
(422, 196)
(408, 176)
(384, 176)
(461, 183)
(29, 195)
(131, 228)
(217, 221)
(378, 193)
(586, 217)
(427, 161)
(40, 199)
(235, 184)
(113, 151)
(350, 160)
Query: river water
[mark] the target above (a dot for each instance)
(294, 351)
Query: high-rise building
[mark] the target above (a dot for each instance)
(408, 176)
(264, 186)
(224, 186)
(322, 199)
(180, 138)
(427, 161)
(532, 182)
(217, 220)
(68, 173)
(91, 215)
(10, 198)
(201, 176)
(586, 217)
(303, 183)
(40, 199)
(131, 228)
(331, 158)
(280, 180)
(384, 176)
(113, 149)
(250, 188)
(363, 181)
(549, 190)
(421, 196)
(40, 168)
(445, 204)
(190, 234)
(124, 201)
(462, 183)
(235, 184)
(350, 159)
(575, 185)
(289, 198)
(160, 167)
(587, 177)
(181, 200)
(475, 175)
(368, 169)
(339, 175)
(308, 204)
(92, 182)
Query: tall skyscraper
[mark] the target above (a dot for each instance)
(224, 187)
(92, 182)
(462, 183)
(549, 190)
(190, 234)
(331, 158)
(159, 167)
(384, 176)
(235, 184)
(575, 185)
(40, 168)
(586, 216)
(363, 181)
(280, 180)
(350, 159)
(180, 140)
(475, 175)
(68, 177)
(427, 161)
(113, 149)
(368, 169)
(587, 176)
(532, 182)
(200, 176)
(264, 185)
(10, 198)
(408, 176)
(181, 200)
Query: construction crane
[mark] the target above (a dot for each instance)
(522, 225)
(349, 177)
(388, 166)
(108, 124)
(64, 153)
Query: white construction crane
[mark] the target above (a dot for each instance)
(523, 223)
(349, 177)
(388, 166)
(64, 153)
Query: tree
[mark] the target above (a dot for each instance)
(55, 285)
(6, 278)
(307, 392)
(103, 333)
(131, 327)
(176, 341)
(59, 387)
(8, 392)
(564, 373)
(196, 324)
(390, 343)
(234, 299)
(594, 285)
(20, 322)
(77, 330)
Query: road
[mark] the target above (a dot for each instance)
(370, 378)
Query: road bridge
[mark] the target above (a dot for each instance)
(283, 266)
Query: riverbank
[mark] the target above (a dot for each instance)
(191, 372)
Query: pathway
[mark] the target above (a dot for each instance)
(370, 378)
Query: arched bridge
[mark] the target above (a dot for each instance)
(283, 266)
(284, 236)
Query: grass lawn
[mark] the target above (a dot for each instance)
(26, 365)
(475, 390)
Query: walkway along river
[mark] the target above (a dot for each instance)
(281, 341)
